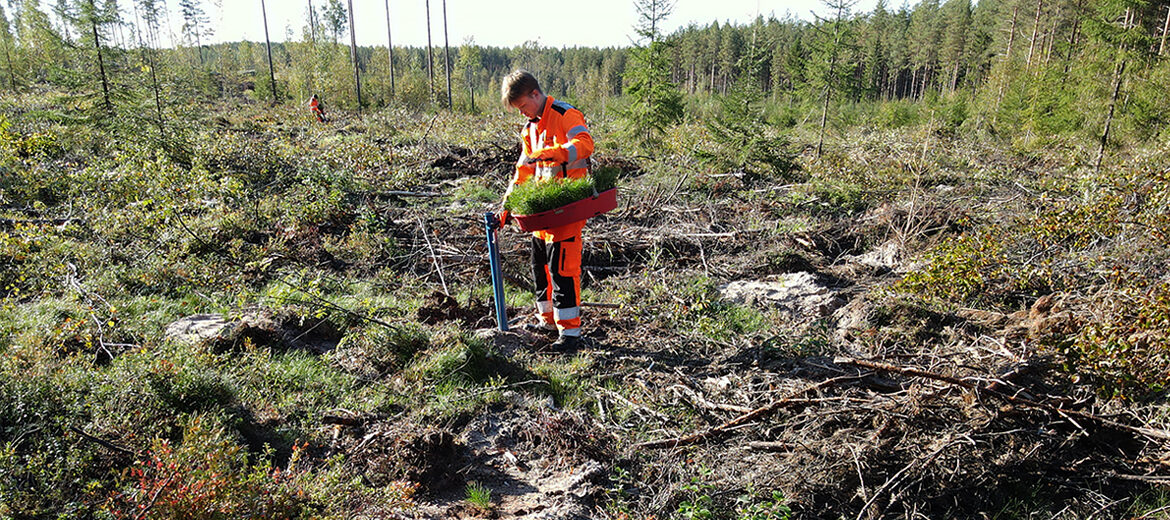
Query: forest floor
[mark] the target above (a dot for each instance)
(916, 325)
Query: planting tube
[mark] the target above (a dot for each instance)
(491, 222)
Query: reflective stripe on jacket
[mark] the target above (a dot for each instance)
(562, 126)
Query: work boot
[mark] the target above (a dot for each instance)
(566, 343)
(543, 329)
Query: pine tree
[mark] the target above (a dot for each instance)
(353, 55)
(729, 53)
(268, 51)
(925, 33)
(957, 22)
(195, 22)
(389, 50)
(335, 18)
(468, 67)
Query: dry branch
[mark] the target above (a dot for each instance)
(1150, 433)
(102, 442)
(756, 414)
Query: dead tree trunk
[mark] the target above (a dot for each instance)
(446, 54)
(1051, 44)
(353, 55)
(1118, 75)
(1035, 33)
(97, 45)
(430, 56)
(1165, 29)
(1007, 60)
(268, 48)
(312, 24)
(148, 58)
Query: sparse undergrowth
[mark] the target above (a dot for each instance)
(360, 245)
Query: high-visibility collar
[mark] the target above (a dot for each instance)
(548, 102)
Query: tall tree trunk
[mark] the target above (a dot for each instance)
(1165, 30)
(471, 88)
(446, 54)
(97, 45)
(1007, 60)
(824, 119)
(157, 93)
(1072, 41)
(390, 49)
(148, 57)
(11, 70)
(313, 23)
(1118, 72)
(199, 44)
(430, 56)
(1050, 41)
(268, 48)
(1035, 32)
(925, 81)
(353, 55)
(829, 80)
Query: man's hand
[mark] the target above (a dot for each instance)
(552, 153)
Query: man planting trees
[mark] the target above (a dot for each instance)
(555, 144)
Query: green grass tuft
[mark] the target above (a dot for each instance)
(479, 496)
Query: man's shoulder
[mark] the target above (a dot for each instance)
(561, 107)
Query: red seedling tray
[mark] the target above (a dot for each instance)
(569, 213)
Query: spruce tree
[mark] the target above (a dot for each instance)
(656, 103)
(833, 43)
(747, 143)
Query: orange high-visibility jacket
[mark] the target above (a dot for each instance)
(561, 130)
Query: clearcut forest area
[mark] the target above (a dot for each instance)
(906, 263)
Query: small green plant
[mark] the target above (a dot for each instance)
(749, 507)
(699, 503)
(479, 496)
(536, 196)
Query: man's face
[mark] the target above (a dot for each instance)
(530, 105)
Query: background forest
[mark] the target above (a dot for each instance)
(905, 263)
(1041, 70)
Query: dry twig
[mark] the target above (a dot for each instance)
(1149, 433)
(754, 415)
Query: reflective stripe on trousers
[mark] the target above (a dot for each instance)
(556, 269)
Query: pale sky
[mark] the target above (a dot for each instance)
(503, 23)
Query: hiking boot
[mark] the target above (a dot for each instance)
(566, 343)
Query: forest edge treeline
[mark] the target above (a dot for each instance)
(1033, 67)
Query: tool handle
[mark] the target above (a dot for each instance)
(491, 223)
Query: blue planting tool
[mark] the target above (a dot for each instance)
(492, 223)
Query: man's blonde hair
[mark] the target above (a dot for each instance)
(517, 85)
